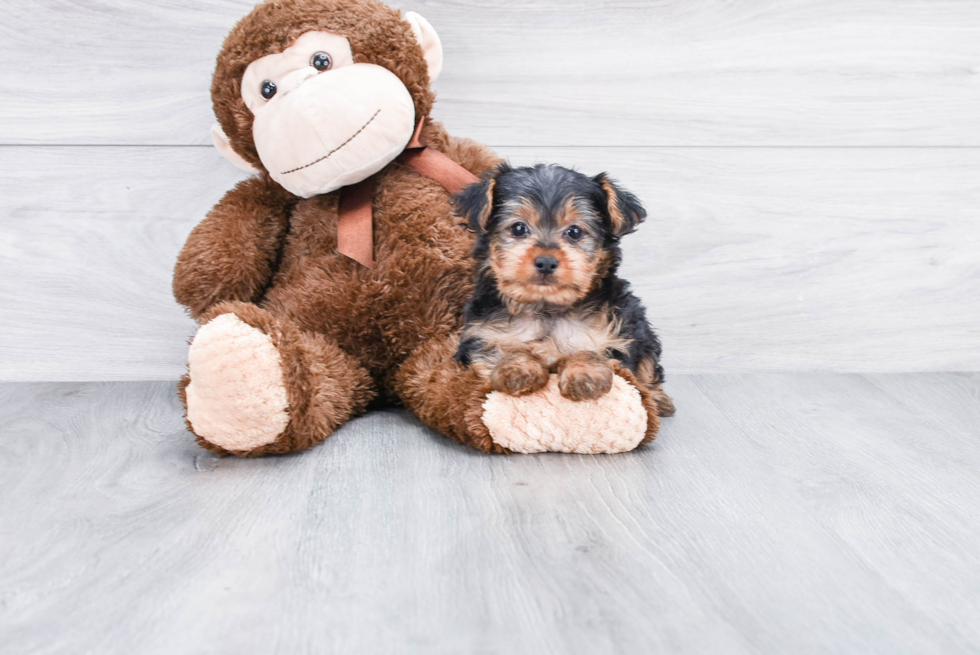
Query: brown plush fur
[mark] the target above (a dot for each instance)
(446, 395)
(324, 385)
(345, 333)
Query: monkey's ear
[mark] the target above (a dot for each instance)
(223, 145)
(429, 40)
(624, 209)
(475, 202)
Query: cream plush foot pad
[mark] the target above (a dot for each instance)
(547, 422)
(237, 397)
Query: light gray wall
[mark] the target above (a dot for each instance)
(812, 169)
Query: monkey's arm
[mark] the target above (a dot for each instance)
(232, 253)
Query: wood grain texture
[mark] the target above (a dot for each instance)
(771, 259)
(779, 513)
(548, 73)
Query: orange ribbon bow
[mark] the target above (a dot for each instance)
(355, 230)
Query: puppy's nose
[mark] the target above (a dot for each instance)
(546, 264)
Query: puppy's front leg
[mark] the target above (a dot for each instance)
(519, 373)
(584, 376)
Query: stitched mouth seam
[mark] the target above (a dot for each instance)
(370, 120)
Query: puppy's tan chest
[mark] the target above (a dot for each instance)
(550, 338)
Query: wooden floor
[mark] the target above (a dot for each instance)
(777, 513)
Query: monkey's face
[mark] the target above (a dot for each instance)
(321, 94)
(321, 121)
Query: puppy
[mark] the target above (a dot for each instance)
(547, 298)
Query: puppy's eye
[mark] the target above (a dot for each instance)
(268, 89)
(321, 61)
(518, 230)
(574, 233)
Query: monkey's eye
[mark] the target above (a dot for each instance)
(321, 61)
(268, 89)
(519, 230)
(574, 233)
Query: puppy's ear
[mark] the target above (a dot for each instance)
(475, 202)
(624, 209)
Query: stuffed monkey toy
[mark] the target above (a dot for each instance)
(337, 274)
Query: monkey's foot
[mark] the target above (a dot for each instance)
(545, 421)
(236, 397)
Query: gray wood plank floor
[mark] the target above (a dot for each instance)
(777, 513)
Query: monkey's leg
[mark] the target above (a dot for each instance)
(454, 401)
(257, 384)
(547, 421)
(444, 394)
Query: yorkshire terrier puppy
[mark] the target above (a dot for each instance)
(547, 297)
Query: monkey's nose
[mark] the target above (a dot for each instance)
(292, 81)
(546, 264)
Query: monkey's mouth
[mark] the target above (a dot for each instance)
(329, 154)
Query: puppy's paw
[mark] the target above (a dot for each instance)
(518, 374)
(585, 376)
